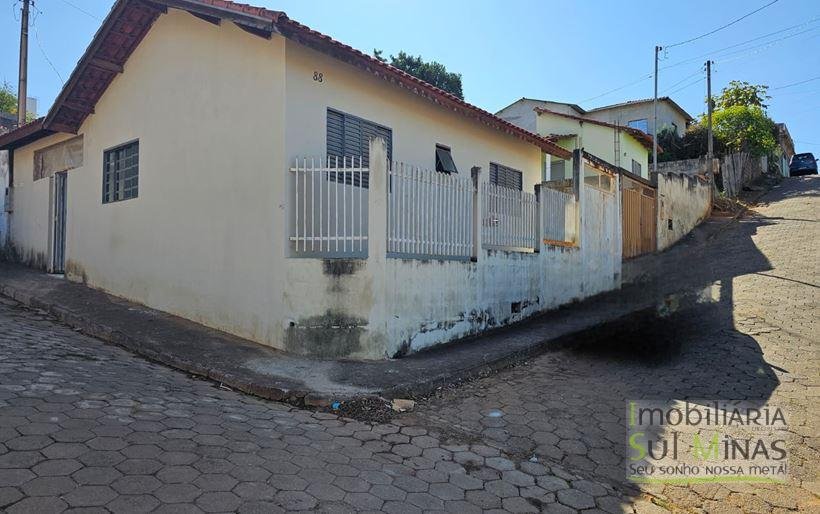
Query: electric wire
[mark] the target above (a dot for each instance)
(722, 27)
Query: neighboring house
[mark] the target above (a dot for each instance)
(169, 172)
(522, 112)
(639, 114)
(620, 146)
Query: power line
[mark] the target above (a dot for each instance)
(723, 26)
(77, 7)
(766, 45)
(684, 79)
(796, 83)
(789, 93)
(687, 86)
(762, 48)
(37, 13)
(645, 77)
(764, 36)
(697, 58)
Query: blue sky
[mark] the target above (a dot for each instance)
(562, 50)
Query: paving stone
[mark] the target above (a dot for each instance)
(133, 504)
(14, 477)
(48, 486)
(9, 495)
(96, 475)
(90, 495)
(219, 502)
(46, 505)
(575, 499)
(296, 500)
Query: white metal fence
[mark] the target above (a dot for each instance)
(429, 213)
(509, 220)
(329, 216)
(557, 207)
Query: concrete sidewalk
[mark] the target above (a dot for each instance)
(276, 375)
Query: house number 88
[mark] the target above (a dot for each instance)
(318, 77)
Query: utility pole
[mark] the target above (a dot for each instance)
(710, 147)
(23, 77)
(655, 116)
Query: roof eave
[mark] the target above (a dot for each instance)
(644, 139)
(24, 135)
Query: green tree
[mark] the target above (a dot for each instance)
(433, 72)
(693, 144)
(8, 99)
(743, 93)
(744, 128)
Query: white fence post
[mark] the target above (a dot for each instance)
(539, 217)
(478, 211)
(578, 183)
(376, 266)
(547, 167)
(377, 201)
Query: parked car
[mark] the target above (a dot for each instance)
(802, 164)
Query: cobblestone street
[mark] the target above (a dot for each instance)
(85, 426)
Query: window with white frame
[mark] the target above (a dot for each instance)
(636, 167)
(121, 172)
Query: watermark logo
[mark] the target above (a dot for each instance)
(705, 441)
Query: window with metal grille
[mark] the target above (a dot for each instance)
(121, 172)
(444, 160)
(348, 140)
(636, 167)
(506, 177)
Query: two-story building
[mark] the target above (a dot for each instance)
(640, 114)
(567, 125)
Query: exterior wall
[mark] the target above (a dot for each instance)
(699, 166)
(473, 296)
(597, 140)
(522, 112)
(417, 124)
(199, 240)
(667, 115)
(4, 183)
(684, 201)
(348, 293)
(30, 221)
(389, 307)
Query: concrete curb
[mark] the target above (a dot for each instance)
(123, 340)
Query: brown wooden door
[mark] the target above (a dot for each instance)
(639, 218)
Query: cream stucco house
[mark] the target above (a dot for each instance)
(570, 127)
(640, 114)
(178, 166)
